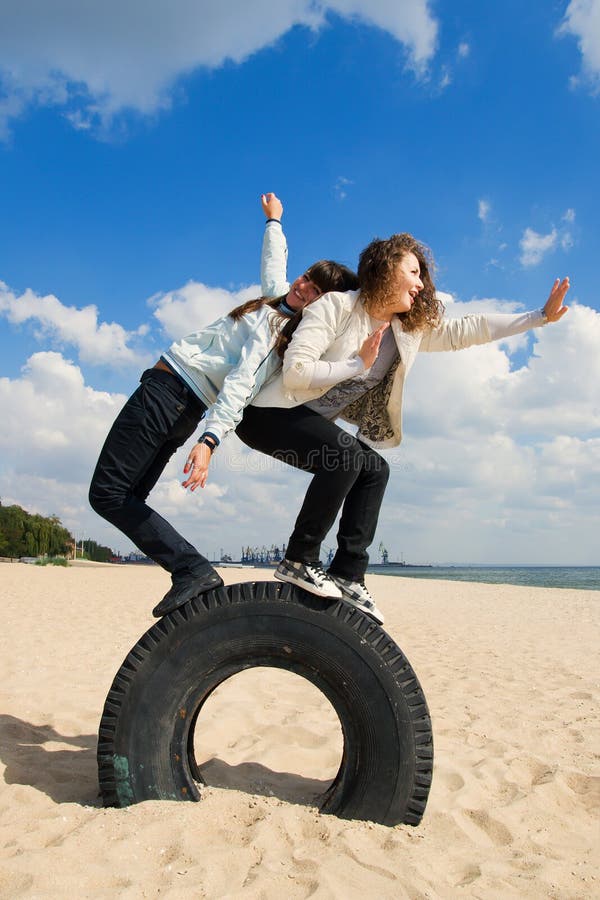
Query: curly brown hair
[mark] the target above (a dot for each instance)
(376, 274)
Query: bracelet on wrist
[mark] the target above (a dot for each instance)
(209, 443)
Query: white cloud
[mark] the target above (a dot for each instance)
(96, 342)
(446, 79)
(53, 424)
(566, 240)
(535, 246)
(464, 50)
(582, 21)
(102, 57)
(340, 188)
(484, 209)
(500, 462)
(195, 305)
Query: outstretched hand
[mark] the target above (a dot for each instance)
(370, 346)
(197, 466)
(272, 206)
(554, 308)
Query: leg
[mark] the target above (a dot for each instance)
(155, 421)
(346, 472)
(360, 515)
(303, 438)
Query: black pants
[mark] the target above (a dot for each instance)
(156, 420)
(347, 474)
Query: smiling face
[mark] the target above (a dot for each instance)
(302, 292)
(407, 283)
(396, 280)
(405, 286)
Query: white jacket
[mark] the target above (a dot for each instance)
(226, 363)
(334, 327)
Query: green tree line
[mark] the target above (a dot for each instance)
(97, 552)
(27, 534)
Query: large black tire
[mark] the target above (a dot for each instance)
(145, 747)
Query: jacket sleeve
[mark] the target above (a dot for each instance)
(502, 325)
(273, 261)
(257, 362)
(457, 334)
(319, 328)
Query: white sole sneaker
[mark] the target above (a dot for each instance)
(311, 578)
(355, 593)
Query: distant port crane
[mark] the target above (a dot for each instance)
(384, 554)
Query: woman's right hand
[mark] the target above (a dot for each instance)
(272, 206)
(196, 467)
(370, 347)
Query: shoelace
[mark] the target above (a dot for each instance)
(318, 573)
(368, 600)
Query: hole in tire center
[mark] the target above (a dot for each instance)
(268, 731)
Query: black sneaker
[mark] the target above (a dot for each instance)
(356, 593)
(310, 577)
(185, 589)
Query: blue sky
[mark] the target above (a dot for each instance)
(136, 139)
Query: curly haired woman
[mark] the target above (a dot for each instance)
(349, 359)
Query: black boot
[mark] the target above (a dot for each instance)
(185, 589)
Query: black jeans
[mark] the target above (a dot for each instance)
(346, 474)
(156, 420)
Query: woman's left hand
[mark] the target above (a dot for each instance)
(197, 464)
(554, 308)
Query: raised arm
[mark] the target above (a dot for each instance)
(273, 263)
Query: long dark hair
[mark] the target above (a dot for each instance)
(326, 274)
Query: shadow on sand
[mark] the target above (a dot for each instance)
(71, 775)
(66, 776)
(253, 778)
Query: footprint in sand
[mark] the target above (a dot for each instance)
(466, 875)
(587, 787)
(452, 781)
(493, 830)
(545, 776)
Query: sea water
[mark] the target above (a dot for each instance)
(580, 577)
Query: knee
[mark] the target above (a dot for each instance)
(103, 500)
(377, 467)
(384, 470)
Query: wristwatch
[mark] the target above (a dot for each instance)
(208, 441)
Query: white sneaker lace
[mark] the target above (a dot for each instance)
(358, 587)
(318, 574)
(363, 586)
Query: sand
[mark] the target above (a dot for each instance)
(511, 675)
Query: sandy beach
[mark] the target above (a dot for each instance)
(511, 676)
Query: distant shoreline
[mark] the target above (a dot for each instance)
(585, 578)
